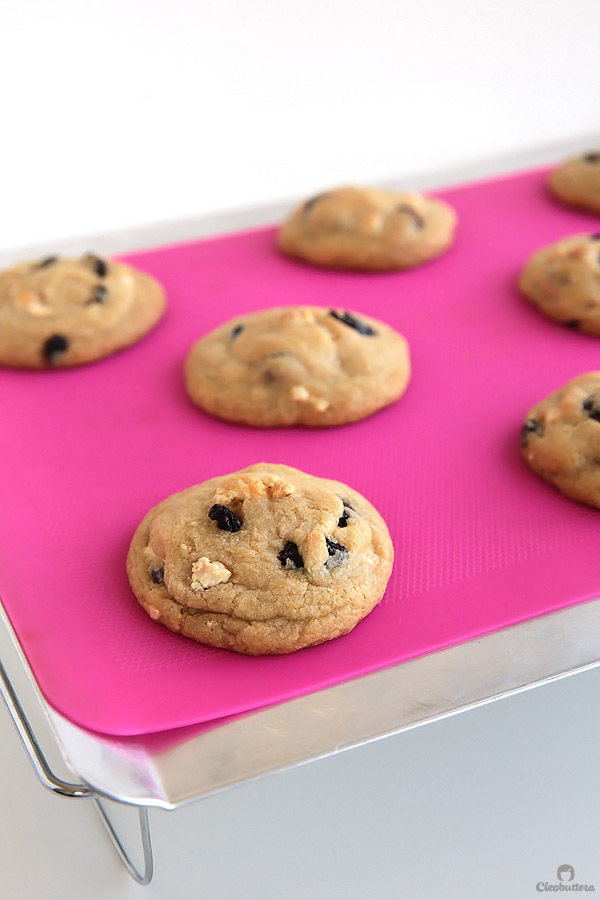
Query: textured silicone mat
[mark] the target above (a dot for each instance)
(480, 542)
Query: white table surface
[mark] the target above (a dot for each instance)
(484, 804)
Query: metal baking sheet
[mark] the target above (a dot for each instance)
(481, 544)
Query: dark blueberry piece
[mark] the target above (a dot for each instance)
(337, 553)
(291, 554)
(530, 427)
(592, 157)
(49, 261)
(53, 348)
(100, 266)
(347, 505)
(100, 294)
(573, 323)
(236, 331)
(158, 575)
(407, 210)
(352, 322)
(595, 237)
(224, 517)
(589, 405)
(310, 204)
(343, 521)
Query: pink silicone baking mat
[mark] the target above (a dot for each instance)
(480, 542)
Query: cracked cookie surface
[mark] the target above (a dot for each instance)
(56, 312)
(361, 228)
(266, 560)
(560, 439)
(563, 281)
(298, 365)
(577, 181)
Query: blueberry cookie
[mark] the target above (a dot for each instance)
(563, 281)
(577, 181)
(298, 365)
(266, 560)
(356, 228)
(64, 312)
(560, 439)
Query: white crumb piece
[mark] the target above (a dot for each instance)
(299, 393)
(32, 304)
(373, 222)
(251, 485)
(298, 314)
(206, 574)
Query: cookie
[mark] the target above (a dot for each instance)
(357, 228)
(266, 560)
(298, 365)
(560, 439)
(59, 312)
(563, 281)
(577, 181)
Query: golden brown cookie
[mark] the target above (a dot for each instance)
(298, 365)
(560, 439)
(266, 560)
(58, 312)
(563, 281)
(577, 181)
(359, 228)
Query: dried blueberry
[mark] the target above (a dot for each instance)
(573, 323)
(407, 210)
(158, 575)
(589, 406)
(352, 322)
(224, 517)
(337, 553)
(592, 157)
(237, 330)
(53, 348)
(100, 294)
(310, 204)
(49, 261)
(530, 427)
(595, 237)
(343, 521)
(100, 266)
(291, 554)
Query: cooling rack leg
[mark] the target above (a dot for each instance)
(141, 877)
(66, 789)
(32, 746)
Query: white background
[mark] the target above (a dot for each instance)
(124, 112)
(129, 113)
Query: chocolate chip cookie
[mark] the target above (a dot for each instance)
(298, 365)
(563, 281)
(358, 228)
(266, 560)
(58, 312)
(577, 181)
(560, 439)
